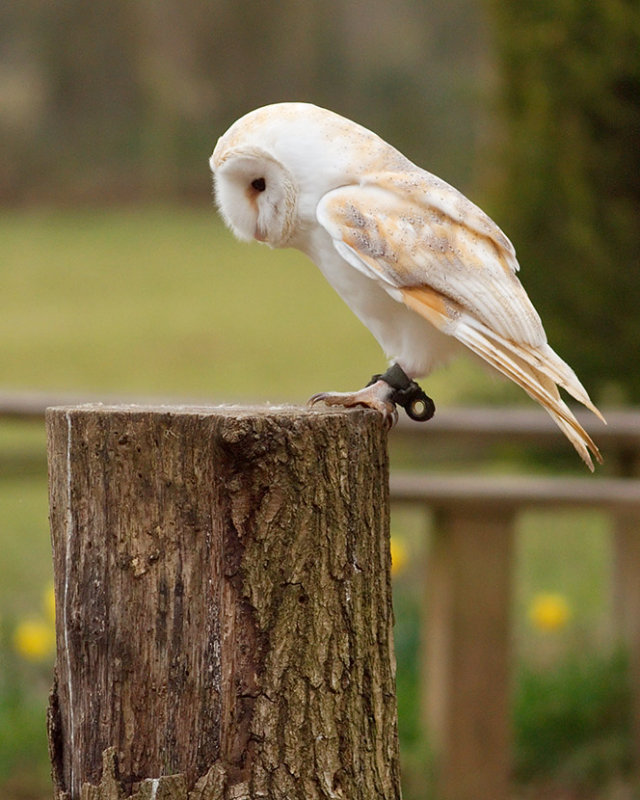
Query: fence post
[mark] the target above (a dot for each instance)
(224, 623)
(626, 594)
(467, 650)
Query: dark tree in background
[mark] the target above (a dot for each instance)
(114, 99)
(569, 190)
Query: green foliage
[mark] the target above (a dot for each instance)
(24, 766)
(568, 191)
(573, 721)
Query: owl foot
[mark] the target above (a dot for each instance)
(382, 394)
(376, 396)
(406, 393)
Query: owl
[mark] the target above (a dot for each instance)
(426, 270)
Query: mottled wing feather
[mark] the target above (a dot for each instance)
(446, 200)
(411, 229)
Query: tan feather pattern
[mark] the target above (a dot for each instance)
(414, 240)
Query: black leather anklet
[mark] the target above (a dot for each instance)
(406, 393)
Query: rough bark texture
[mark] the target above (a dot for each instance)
(224, 618)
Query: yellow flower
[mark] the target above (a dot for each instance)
(549, 612)
(399, 555)
(34, 639)
(49, 603)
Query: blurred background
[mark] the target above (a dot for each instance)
(118, 280)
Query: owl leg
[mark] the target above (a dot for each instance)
(383, 393)
(406, 393)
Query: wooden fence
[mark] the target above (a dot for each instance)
(466, 674)
(466, 626)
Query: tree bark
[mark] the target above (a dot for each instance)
(224, 622)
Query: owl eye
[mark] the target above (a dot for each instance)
(259, 184)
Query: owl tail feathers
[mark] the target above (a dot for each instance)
(537, 370)
(549, 362)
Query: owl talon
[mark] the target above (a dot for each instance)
(375, 396)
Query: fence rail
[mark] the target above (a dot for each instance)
(619, 439)
(492, 423)
(512, 493)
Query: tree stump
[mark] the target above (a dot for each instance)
(224, 623)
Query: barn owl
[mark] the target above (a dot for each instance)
(422, 267)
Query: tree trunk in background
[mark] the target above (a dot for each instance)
(223, 604)
(565, 176)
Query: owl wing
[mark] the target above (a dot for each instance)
(412, 231)
(444, 258)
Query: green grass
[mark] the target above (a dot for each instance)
(564, 552)
(26, 562)
(163, 302)
(25, 572)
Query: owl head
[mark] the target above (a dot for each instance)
(254, 168)
(255, 193)
(274, 164)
